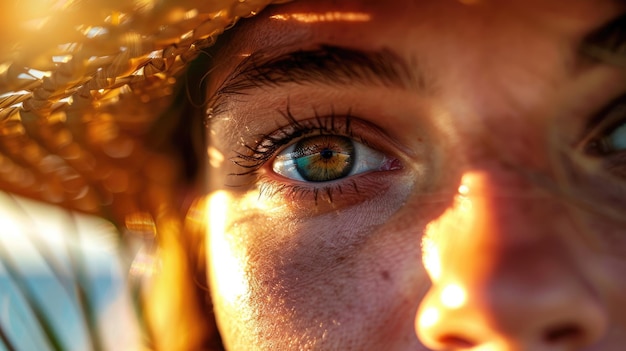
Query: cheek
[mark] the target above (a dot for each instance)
(339, 278)
(605, 239)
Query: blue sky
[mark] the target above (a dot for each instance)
(44, 252)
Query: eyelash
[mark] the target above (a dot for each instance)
(260, 152)
(271, 188)
(266, 148)
(599, 143)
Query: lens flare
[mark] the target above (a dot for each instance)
(431, 258)
(229, 280)
(334, 16)
(453, 296)
(429, 317)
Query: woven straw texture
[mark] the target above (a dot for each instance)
(80, 84)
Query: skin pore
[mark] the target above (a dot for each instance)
(480, 208)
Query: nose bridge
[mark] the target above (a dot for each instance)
(503, 272)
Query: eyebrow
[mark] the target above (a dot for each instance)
(608, 44)
(326, 65)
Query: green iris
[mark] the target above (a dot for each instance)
(324, 158)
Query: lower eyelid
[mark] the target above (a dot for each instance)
(320, 198)
(616, 164)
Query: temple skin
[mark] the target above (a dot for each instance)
(477, 240)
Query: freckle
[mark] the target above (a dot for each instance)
(385, 275)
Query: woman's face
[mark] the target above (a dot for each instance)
(414, 175)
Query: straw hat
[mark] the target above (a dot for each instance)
(81, 86)
(91, 93)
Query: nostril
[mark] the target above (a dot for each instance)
(563, 334)
(456, 342)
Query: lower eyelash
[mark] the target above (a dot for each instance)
(270, 188)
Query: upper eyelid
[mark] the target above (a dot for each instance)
(606, 120)
(344, 124)
(273, 142)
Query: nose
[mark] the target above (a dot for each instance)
(509, 272)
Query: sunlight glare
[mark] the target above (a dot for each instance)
(230, 275)
(335, 16)
(431, 258)
(463, 190)
(453, 296)
(216, 158)
(429, 317)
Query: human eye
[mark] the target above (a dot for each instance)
(606, 141)
(335, 159)
(594, 176)
(325, 158)
(602, 147)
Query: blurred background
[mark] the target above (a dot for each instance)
(62, 281)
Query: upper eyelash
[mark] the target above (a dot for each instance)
(260, 152)
(602, 121)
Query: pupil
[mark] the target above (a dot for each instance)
(327, 154)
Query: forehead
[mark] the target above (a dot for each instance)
(458, 42)
(406, 25)
(303, 19)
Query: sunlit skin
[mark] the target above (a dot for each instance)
(475, 232)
